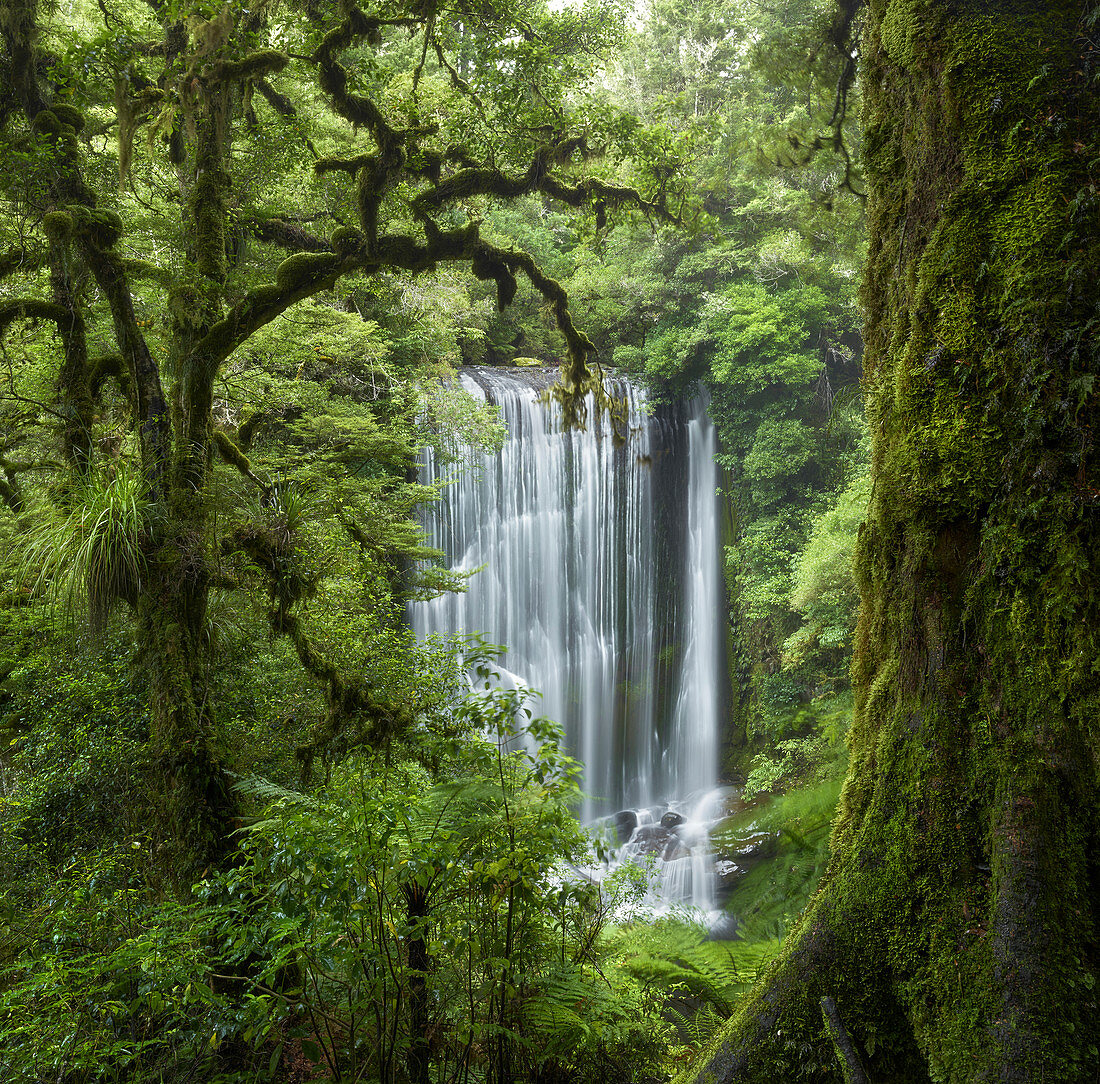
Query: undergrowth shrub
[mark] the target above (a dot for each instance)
(400, 923)
(417, 927)
(90, 553)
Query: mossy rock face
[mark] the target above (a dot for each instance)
(529, 363)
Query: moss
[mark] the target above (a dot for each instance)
(146, 269)
(342, 165)
(297, 270)
(102, 228)
(192, 799)
(185, 303)
(29, 309)
(232, 454)
(109, 365)
(486, 265)
(58, 225)
(908, 28)
(961, 894)
(69, 115)
(346, 241)
(207, 206)
(333, 77)
(47, 123)
(263, 62)
(953, 445)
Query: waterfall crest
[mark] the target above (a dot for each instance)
(601, 576)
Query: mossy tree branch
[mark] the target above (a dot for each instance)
(233, 455)
(72, 212)
(279, 102)
(154, 423)
(299, 277)
(30, 308)
(357, 714)
(286, 234)
(106, 367)
(11, 490)
(21, 258)
(492, 182)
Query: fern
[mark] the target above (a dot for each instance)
(675, 958)
(268, 793)
(695, 1028)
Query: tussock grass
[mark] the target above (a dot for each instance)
(90, 554)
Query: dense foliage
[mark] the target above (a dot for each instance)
(248, 828)
(758, 300)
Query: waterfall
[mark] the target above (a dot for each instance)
(600, 573)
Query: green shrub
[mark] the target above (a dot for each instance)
(408, 924)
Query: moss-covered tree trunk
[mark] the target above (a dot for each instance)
(957, 926)
(193, 800)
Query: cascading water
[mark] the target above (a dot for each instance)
(601, 575)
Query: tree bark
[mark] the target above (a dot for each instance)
(957, 925)
(417, 911)
(193, 801)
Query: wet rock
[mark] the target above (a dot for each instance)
(624, 823)
(675, 849)
(753, 848)
(671, 819)
(726, 875)
(727, 871)
(649, 839)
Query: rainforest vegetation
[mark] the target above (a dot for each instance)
(250, 828)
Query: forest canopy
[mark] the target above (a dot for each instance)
(181, 179)
(249, 827)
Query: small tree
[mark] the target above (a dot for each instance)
(432, 930)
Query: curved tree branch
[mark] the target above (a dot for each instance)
(286, 234)
(29, 308)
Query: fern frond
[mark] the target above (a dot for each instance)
(267, 792)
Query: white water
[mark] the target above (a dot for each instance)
(602, 577)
